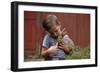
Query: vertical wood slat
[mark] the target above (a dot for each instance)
(29, 33)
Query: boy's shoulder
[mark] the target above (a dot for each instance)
(47, 36)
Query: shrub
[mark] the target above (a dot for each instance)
(79, 53)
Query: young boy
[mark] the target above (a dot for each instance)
(56, 44)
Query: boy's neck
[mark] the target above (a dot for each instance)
(53, 37)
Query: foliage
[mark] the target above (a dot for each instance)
(79, 53)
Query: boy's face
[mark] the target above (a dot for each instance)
(55, 31)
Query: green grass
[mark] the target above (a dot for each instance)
(79, 53)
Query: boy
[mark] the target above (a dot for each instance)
(56, 44)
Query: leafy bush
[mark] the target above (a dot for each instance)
(79, 53)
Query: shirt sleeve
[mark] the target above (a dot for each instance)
(46, 42)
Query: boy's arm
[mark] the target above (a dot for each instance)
(46, 51)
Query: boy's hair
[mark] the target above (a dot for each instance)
(49, 22)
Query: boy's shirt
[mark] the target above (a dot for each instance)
(49, 41)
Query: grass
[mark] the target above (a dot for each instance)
(79, 53)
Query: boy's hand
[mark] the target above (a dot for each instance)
(62, 45)
(53, 49)
(65, 47)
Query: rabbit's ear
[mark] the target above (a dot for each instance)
(64, 32)
(63, 29)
